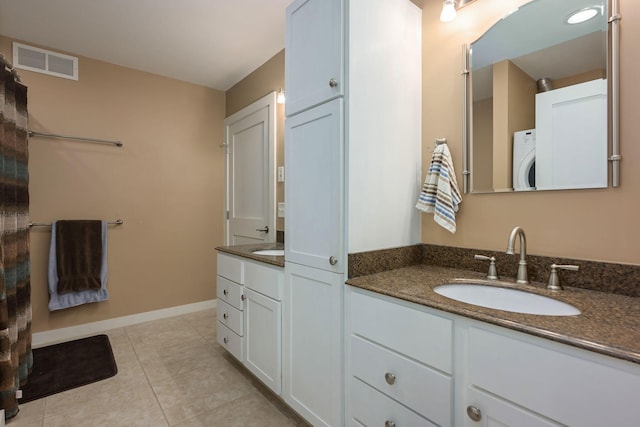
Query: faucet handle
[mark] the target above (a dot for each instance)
(554, 279)
(493, 273)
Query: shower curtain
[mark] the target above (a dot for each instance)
(15, 268)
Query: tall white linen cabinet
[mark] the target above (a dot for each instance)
(352, 154)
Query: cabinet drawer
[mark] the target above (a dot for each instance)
(422, 336)
(230, 292)
(264, 279)
(231, 341)
(230, 267)
(570, 386)
(369, 407)
(231, 317)
(420, 388)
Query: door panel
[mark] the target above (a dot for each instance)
(314, 190)
(250, 186)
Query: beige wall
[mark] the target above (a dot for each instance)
(267, 78)
(587, 224)
(165, 183)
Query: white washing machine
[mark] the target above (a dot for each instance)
(524, 160)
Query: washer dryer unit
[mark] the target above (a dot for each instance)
(524, 160)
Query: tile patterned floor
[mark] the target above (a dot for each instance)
(171, 372)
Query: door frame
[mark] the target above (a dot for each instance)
(268, 101)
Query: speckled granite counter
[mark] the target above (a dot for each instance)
(608, 323)
(247, 251)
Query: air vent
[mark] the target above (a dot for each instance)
(45, 61)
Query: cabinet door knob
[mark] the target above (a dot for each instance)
(389, 423)
(225, 292)
(242, 297)
(225, 339)
(225, 316)
(390, 378)
(474, 413)
(333, 260)
(333, 82)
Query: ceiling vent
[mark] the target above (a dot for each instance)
(45, 61)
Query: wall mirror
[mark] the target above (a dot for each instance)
(541, 99)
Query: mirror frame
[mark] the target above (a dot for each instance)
(613, 102)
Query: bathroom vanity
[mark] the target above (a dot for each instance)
(427, 360)
(250, 312)
(414, 357)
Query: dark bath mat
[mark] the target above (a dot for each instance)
(68, 365)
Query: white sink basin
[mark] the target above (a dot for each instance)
(506, 299)
(270, 252)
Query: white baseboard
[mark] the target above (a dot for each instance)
(41, 339)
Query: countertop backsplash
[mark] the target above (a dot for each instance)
(622, 279)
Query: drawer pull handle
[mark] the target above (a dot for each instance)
(474, 413)
(225, 292)
(389, 423)
(225, 316)
(390, 378)
(225, 339)
(242, 297)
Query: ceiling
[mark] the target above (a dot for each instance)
(214, 43)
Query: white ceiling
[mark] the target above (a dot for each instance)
(213, 43)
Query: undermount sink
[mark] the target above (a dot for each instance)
(270, 252)
(507, 299)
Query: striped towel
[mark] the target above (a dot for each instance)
(440, 194)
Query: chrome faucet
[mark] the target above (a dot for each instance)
(522, 265)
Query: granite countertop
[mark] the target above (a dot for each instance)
(246, 251)
(608, 323)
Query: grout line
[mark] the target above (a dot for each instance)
(144, 372)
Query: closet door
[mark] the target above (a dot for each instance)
(314, 155)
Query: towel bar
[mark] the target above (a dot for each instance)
(42, 224)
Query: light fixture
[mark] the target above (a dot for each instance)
(448, 13)
(582, 15)
(280, 98)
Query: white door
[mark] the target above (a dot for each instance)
(263, 334)
(314, 191)
(312, 344)
(315, 51)
(250, 173)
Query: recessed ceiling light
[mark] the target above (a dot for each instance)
(582, 15)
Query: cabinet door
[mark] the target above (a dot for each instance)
(494, 412)
(312, 344)
(314, 190)
(263, 339)
(315, 49)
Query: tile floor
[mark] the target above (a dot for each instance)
(171, 372)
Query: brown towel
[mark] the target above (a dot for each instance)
(79, 255)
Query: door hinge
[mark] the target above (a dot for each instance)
(227, 214)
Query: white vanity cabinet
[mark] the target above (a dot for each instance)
(263, 323)
(409, 375)
(455, 371)
(249, 315)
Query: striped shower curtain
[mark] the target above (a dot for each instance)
(15, 269)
